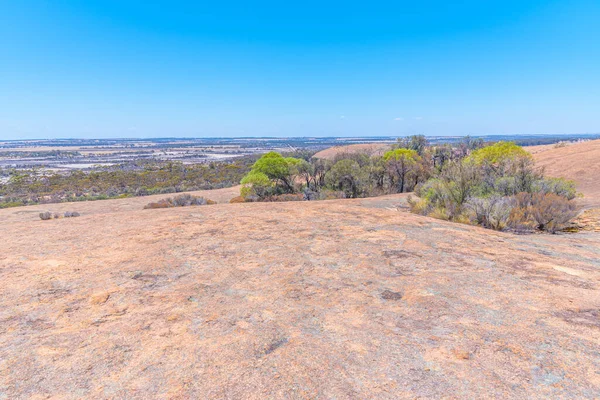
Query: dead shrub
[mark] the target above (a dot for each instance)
(159, 204)
(544, 211)
(552, 212)
(238, 199)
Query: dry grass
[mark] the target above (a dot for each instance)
(368, 148)
(579, 162)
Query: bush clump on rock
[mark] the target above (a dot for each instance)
(44, 216)
(182, 200)
(498, 187)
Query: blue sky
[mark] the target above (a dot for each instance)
(188, 68)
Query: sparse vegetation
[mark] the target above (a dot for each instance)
(44, 216)
(26, 187)
(182, 200)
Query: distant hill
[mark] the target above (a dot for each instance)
(579, 162)
(369, 148)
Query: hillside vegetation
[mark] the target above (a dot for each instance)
(496, 186)
(141, 178)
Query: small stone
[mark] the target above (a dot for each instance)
(100, 298)
(462, 354)
(389, 295)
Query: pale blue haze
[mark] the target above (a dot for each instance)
(192, 68)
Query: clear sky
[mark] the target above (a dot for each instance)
(103, 68)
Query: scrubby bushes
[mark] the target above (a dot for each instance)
(138, 178)
(182, 200)
(498, 187)
(544, 211)
(44, 216)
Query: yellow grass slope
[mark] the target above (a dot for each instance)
(579, 162)
(368, 148)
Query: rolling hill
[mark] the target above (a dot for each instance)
(579, 162)
(368, 148)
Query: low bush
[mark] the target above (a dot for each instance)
(544, 211)
(238, 199)
(558, 186)
(67, 214)
(492, 212)
(182, 200)
(159, 204)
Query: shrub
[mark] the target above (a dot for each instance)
(492, 212)
(419, 205)
(552, 212)
(558, 186)
(182, 200)
(544, 211)
(238, 199)
(71, 214)
(159, 204)
(46, 215)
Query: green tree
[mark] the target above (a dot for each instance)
(280, 170)
(256, 184)
(498, 154)
(401, 163)
(418, 143)
(346, 175)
